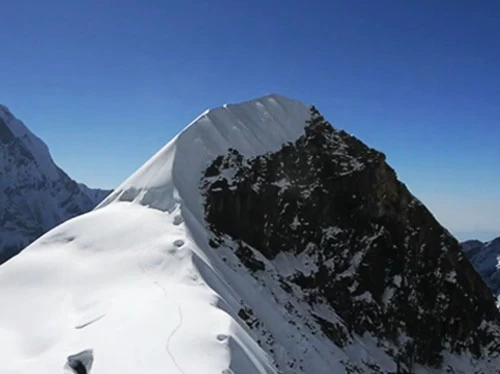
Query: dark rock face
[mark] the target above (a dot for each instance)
(383, 262)
(80, 363)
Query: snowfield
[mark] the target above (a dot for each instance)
(122, 282)
(133, 286)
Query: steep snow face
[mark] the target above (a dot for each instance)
(172, 176)
(35, 195)
(134, 286)
(486, 260)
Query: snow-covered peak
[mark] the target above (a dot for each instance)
(173, 174)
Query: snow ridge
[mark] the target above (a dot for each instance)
(172, 175)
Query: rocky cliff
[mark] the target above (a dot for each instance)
(364, 245)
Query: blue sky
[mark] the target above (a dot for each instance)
(106, 84)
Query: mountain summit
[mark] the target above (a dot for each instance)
(35, 194)
(258, 240)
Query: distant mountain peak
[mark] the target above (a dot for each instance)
(485, 257)
(495, 241)
(37, 195)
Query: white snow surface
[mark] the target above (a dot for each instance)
(122, 282)
(136, 283)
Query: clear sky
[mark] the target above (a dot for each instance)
(107, 83)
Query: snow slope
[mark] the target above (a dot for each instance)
(121, 282)
(35, 194)
(133, 287)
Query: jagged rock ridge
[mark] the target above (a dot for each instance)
(377, 256)
(35, 194)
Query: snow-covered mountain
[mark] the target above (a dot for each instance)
(258, 240)
(35, 194)
(486, 260)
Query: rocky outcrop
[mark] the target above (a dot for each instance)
(379, 257)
